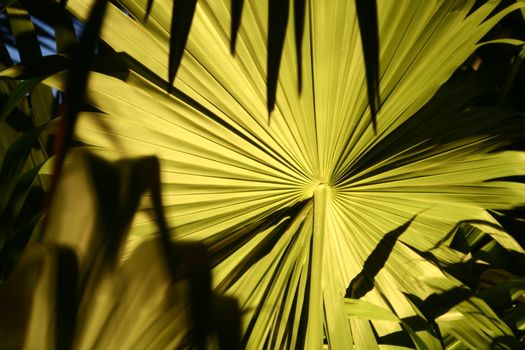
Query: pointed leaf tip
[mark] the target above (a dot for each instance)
(182, 17)
(236, 8)
(277, 22)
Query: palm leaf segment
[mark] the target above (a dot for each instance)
(292, 206)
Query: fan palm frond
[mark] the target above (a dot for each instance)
(310, 209)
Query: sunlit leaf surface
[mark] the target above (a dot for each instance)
(292, 206)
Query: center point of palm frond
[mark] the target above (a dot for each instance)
(321, 196)
(316, 188)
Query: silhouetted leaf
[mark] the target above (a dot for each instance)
(364, 281)
(23, 29)
(77, 83)
(65, 298)
(5, 57)
(40, 68)
(118, 188)
(107, 182)
(147, 176)
(367, 17)
(183, 11)
(194, 264)
(277, 22)
(65, 36)
(236, 9)
(227, 319)
(112, 64)
(299, 14)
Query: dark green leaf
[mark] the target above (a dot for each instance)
(516, 317)
(16, 242)
(183, 11)
(18, 198)
(236, 8)
(18, 95)
(277, 22)
(511, 77)
(367, 18)
(6, 4)
(502, 295)
(14, 160)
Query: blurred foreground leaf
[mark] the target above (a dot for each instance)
(142, 301)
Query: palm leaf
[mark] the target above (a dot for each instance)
(26, 111)
(291, 210)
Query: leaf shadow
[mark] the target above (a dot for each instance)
(242, 234)
(450, 116)
(438, 304)
(364, 281)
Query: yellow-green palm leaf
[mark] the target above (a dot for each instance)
(292, 204)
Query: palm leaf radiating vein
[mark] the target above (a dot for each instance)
(292, 208)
